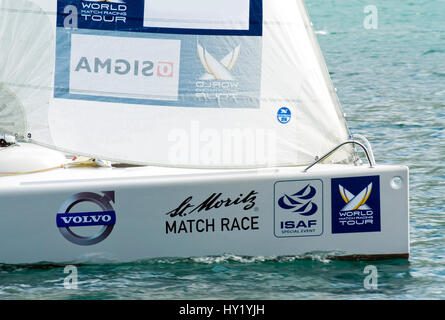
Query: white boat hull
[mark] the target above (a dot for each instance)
(142, 212)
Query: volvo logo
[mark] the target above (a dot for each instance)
(68, 219)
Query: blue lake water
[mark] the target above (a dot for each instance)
(391, 82)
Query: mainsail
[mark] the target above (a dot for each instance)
(197, 83)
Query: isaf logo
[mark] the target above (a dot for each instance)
(70, 218)
(299, 208)
(356, 204)
(300, 202)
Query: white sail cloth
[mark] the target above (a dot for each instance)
(207, 99)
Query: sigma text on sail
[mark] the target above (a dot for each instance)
(123, 67)
(127, 67)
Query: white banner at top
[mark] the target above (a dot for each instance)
(197, 14)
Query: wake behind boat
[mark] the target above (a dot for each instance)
(218, 131)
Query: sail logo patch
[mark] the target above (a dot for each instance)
(356, 205)
(103, 11)
(298, 208)
(284, 115)
(218, 69)
(195, 17)
(124, 67)
(199, 14)
(70, 218)
(226, 77)
(121, 52)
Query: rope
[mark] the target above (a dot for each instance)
(77, 162)
(63, 166)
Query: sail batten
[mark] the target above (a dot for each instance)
(235, 84)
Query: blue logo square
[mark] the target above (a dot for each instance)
(356, 205)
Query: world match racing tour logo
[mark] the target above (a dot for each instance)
(215, 69)
(106, 11)
(357, 202)
(218, 82)
(356, 207)
(218, 204)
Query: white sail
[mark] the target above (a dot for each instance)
(238, 84)
(27, 37)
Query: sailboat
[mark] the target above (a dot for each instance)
(140, 129)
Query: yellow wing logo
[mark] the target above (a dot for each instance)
(355, 202)
(218, 70)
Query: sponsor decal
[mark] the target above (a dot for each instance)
(124, 67)
(178, 221)
(136, 68)
(103, 11)
(68, 218)
(356, 205)
(170, 70)
(284, 115)
(104, 52)
(227, 77)
(298, 208)
(157, 16)
(218, 69)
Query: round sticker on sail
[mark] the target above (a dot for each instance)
(284, 115)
